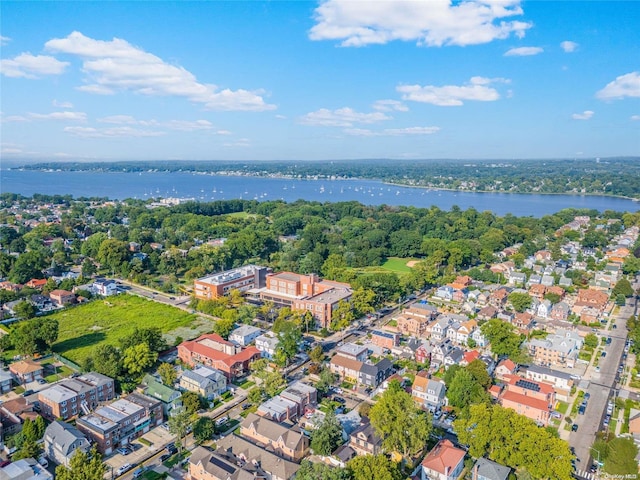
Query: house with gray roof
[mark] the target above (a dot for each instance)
(61, 440)
(6, 380)
(244, 335)
(205, 464)
(207, 382)
(487, 470)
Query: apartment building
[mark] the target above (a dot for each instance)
(121, 422)
(288, 443)
(75, 396)
(220, 284)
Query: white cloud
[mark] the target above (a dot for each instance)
(241, 142)
(26, 65)
(58, 104)
(433, 23)
(523, 52)
(392, 132)
(4, 40)
(180, 125)
(586, 115)
(64, 116)
(627, 85)
(117, 65)
(223, 132)
(15, 118)
(635, 118)
(113, 132)
(453, 95)
(568, 46)
(281, 117)
(342, 117)
(390, 105)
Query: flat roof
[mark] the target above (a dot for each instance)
(230, 275)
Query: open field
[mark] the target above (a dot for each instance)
(399, 265)
(106, 321)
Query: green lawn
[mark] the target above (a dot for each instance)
(396, 264)
(562, 407)
(106, 321)
(60, 372)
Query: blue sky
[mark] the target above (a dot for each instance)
(336, 79)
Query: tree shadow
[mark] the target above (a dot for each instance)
(86, 340)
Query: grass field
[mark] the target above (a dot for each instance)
(106, 321)
(396, 264)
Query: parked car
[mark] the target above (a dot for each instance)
(339, 400)
(222, 420)
(587, 396)
(123, 469)
(574, 427)
(26, 393)
(603, 354)
(581, 410)
(42, 381)
(138, 472)
(124, 450)
(164, 457)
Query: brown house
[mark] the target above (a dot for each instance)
(26, 371)
(288, 443)
(63, 297)
(365, 441)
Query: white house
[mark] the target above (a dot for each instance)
(245, 334)
(445, 293)
(104, 287)
(267, 345)
(61, 440)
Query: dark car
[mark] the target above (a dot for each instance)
(587, 396)
(164, 457)
(574, 427)
(26, 393)
(339, 400)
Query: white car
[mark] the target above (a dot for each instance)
(123, 468)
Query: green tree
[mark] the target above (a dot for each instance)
(327, 378)
(179, 426)
(192, 402)
(622, 287)
(106, 359)
(289, 338)
(342, 316)
(46, 332)
(29, 449)
(88, 268)
(591, 340)
(203, 429)
(224, 327)
(502, 337)
(25, 310)
(363, 301)
(316, 354)
(621, 457)
(320, 471)
(83, 466)
(138, 358)
(402, 426)
(478, 370)
(328, 436)
(464, 390)
(23, 339)
(374, 467)
(167, 374)
(520, 301)
(113, 253)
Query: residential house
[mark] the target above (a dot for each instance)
(439, 352)
(523, 322)
(385, 339)
(267, 344)
(353, 351)
(556, 290)
(565, 281)
(423, 353)
(365, 441)
(6, 379)
(206, 382)
(42, 303)
(428, 393)
(104, 287)
(346, 368)
(244, 335)
(505, 368)
(440, 328)
(485, 469)
(560, 349)
(371, 375)
(171, 399)
(275, 467)
(36, 283)
(25, 371)
(13, 413)
(634, 422)
(121, 422)
(445, 292)
(478, 337)
(288, 443)
(415, 319)
(537, 291)
(590, 298)
(104, 386)
(561, 381)
(534, 400)
(487, 313)
(517, 279)
(498, 298)
(213, 351)
(444, 462)
(534, 279)
(278, 409)
(543, 256)
(205, 464)
(453, 357)
(290, 404)
(62, 297)
(544, 309)
(220, 284)
(465, 331)
(560, 311)
(547, 280)
(25, 469)
(61, 440)
(302, 395)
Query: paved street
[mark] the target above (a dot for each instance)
(601, 389)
